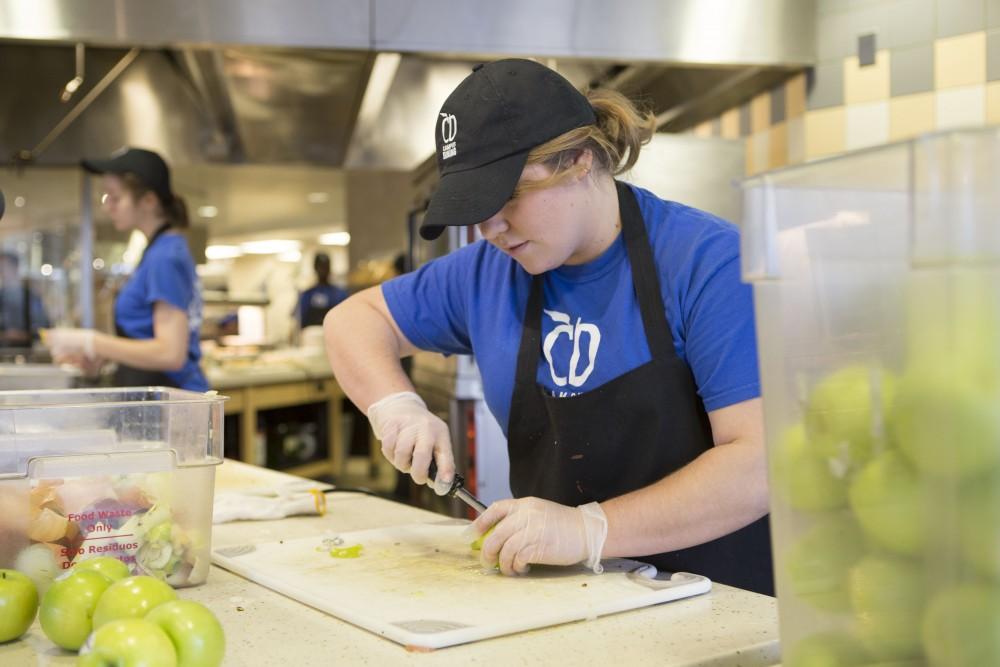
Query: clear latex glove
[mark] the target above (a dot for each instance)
(532, 530)
(412, 436)
(69, 343)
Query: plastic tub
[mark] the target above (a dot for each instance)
(123, 472)
(877, 293)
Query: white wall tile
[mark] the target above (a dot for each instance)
(867, 124)
(961, 107)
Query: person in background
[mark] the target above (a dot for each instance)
(315, 302)
(22, 313)
(614, 337)
(158, 311)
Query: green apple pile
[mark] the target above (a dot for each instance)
(113, 618)
(890, 488)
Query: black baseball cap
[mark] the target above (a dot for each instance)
(146, 165)
(485, 130)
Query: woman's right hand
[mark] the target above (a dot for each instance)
(412, 436)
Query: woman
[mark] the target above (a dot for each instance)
(614, 338)
(158, 311)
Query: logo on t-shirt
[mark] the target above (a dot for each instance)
(574, 332)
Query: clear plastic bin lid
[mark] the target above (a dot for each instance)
(101, 425)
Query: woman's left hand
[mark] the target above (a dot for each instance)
(533, 530)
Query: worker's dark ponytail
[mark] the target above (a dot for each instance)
(176, 212)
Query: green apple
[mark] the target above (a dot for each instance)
(961, 627)
(978, 521)
(477, 544)
(128, 642)
(888, 595)
(109, 566)
(132, 597)
(67, 610)
(887, 500)
(818, 563)
(195, 632)
(846, 411)
(18, 604)
(802, 477)
(826, 649)
(945, 423)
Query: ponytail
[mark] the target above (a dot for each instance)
(614, 140)
(176, 213)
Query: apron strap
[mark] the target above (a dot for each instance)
(646, 279)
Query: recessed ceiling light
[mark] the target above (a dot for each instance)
(270, 247)
(208, 211)
(318, 197)
(222, 252)
(19, 201)
(335, 238)
(290, 256)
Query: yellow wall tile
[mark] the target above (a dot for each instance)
(866, 84)
(910, 115)
(960, 61)
(993, 103)
(731, 124)
(703, 129)
(748, 162)
(826, 132)
(795, 96)
(778, 147)
(760, 112)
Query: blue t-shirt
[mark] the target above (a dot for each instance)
(321, 297)
(472, 301)
(166, 274)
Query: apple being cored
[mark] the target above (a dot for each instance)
(945, 423)
(886, 499)
(803, 477)
(132, 597)
(67, 610)
(128, 642)
(18, 604)
(845, 413)
(888, 595)
(195, 632)
(109, 566)
(961, 627)
(818, 563)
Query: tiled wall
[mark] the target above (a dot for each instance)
(936, 65)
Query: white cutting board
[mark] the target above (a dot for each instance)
(422, 586)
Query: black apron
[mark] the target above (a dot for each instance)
(627, 433)
(129, 376)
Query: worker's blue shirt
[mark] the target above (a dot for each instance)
(165, 274)
(472, 301)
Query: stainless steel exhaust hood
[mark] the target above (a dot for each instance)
(305, 82)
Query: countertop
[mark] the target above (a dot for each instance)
(726, 627)
(291, 365)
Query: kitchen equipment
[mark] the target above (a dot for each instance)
(37, 376)
(123, 472)
(458, 490)
(422, 586)
(876, 280)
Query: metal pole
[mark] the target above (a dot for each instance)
(86, 246)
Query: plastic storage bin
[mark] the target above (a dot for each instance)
(876, 282)
(125, 472)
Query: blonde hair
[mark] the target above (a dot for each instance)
(615, 140)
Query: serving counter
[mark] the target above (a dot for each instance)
(725, 627)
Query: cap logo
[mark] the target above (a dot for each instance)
(449, 128)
